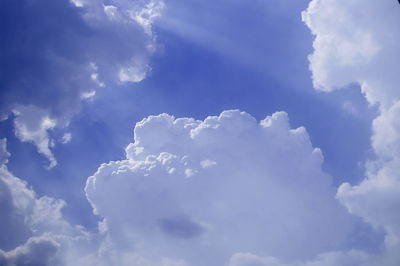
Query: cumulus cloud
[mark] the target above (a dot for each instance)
(355, 43)
(377, 197)
(57, 53)
(32, 229)
(358, 43)
(202, 191)
(36, 251)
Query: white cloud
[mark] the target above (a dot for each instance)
(357, 42)
(36, 251)
(247, 259)
(94, 45)
(110, 10)
(32, 124)
(32, 229)
(78, 3)
(201, 191)
(4, 155)
(66, 138)
(133, 73)
(377, 198)
(146, 15)
(88, 95)
(386, 137)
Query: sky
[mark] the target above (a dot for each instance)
(180, 133)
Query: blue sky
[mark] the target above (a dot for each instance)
(198, 59)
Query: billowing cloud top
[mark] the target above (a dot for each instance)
(356, 42)
(227, 190)
(203, 190)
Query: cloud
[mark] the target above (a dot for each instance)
(32, 124)
(243, 259)
(57, 53)
(4, 154)
(350, 258)
(355, 43)
(66, 138)
(32, 229)
(377, 198)
(358, 43)
(200, 191)
(36, 251)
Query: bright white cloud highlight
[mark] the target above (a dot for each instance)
(32, 124)
(133, 73)
(201, 191)
(357, 42)
(146, 15)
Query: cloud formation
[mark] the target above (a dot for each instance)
(32, 229)
(358, 43)
(36, 251)
(355, 43)
(56, 53)
(200, 191)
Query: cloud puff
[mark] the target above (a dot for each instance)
(32, 229)
(355, 43)
(358, 43)
(36, 251)
(203, 190)
(57, 53)
(242, 259)
(32, 124)
(377, 197)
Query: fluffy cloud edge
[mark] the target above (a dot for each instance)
(168, 153)
(75, 79)
(362, 49)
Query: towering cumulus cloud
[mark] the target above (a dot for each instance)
(358, 42)
(57, 53)
(197, 192)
